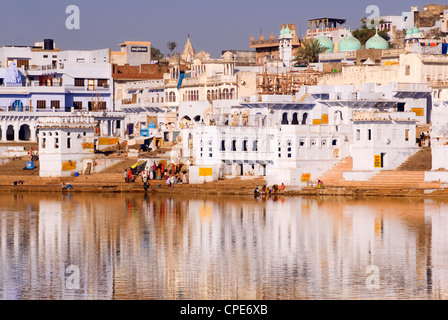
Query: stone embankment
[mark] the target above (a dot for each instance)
(388, 183)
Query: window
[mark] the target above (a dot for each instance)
(55, 104)
(223, 145)
(22, 63)
(172, 97)
(255, 145)
(79, 82)
(45, 55)
(245, 145)
(232, 93)
(234, 145)
(102, 83)
(44, 143)
(406, 135)
(91, 85)
(41, 104)
(226, 94)
(407, 70)
(56, 143)
(77, 105)
(69, 143)
(289, 143)
(369, 134)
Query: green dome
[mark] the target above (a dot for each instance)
(377, 42)
(415, 30)
(282, 32)
(349, 43)
(287, 31)
(326, 43)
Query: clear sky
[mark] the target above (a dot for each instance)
(214, 25)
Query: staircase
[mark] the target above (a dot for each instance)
(410, 175)
(398, 179)
(334, 177)
(303, 97)
(421, 161)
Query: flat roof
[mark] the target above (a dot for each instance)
(135, 43)
(330, 19)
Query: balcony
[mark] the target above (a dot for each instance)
(15, 109)
(87, 88)
(31, 109)
(47, 67)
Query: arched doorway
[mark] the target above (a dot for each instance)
(10, 133)
(285, 118)
(305, 118)
(25, 133)
(338, 117)
(295, 119)
(197, 119)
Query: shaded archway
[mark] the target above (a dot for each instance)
(285, 118)
(197, 118)
(186, 120)
(10, 133)
(295, 119)
(25, 133)
(305, 118)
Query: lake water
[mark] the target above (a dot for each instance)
(125, 246)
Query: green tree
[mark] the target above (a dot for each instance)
(171, 45)
(156, 54)
(363, 33)
(308, 52)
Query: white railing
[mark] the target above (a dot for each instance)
(87, 88)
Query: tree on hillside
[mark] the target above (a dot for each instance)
(363, 33)
(308, 52)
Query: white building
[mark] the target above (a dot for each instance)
(287, 138)
(51, 79)
(43, 81)
(64, 142)
(382, 140)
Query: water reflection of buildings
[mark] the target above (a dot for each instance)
(130, 247)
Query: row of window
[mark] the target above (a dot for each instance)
(245, 144)
(78, 105)
(380, 134)
(193, 95)
(79, 82)
(219, 94)
(170, 97)
(56, 140)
